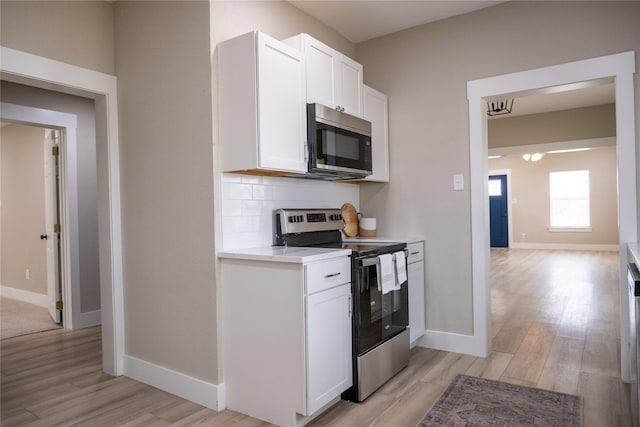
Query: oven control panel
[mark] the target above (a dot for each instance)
(306, 220)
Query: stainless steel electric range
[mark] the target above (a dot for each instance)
(380, 333)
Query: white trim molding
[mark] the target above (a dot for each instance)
(448, 341)
(33, 70)
(89, 318)
(41, 300)
(619, 67)
(201, 392)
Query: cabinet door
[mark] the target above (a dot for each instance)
(376, 111)
(321, 80)
(328, 348)
(349, 85)
(416, 300)
(333, 79)
(281, 106)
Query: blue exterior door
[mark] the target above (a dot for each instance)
(498, 214)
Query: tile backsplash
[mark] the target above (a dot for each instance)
(248, 204)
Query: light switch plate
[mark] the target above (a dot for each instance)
(458, 182)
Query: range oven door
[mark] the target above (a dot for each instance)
(378, 317)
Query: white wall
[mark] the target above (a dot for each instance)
(530, 188)
(75, 32)
(424, 71)
(23, 209)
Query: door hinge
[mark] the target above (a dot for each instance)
(56, 228)
(54, 150)
(58, 305)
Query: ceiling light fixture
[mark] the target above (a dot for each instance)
(569, 150)
(533, 157)
(496, 108)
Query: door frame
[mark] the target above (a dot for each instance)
(506, 172)
(619, 67)
(70, 274)
(33, 70)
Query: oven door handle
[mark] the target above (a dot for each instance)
(367, 260)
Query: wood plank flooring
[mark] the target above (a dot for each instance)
(555, 325)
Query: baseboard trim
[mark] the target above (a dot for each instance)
(88, 319)
(201, 392)
(41, 300)
(566, 246)
(455, 343)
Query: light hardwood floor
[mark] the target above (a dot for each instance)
(555, 325)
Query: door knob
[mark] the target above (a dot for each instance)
(43, 237)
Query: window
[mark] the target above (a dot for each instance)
(569, 197)
(495, 187)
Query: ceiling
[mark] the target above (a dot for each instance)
(362, 20)
(556, 99)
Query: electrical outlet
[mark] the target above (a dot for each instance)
(26, 274)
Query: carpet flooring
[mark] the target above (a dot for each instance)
(471, 401)
(21, 318)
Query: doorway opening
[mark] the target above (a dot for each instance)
(620, 68)
(30, 245)
(61, 219)
(499, 210)
(32, 70)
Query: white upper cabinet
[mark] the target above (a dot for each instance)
(333, 79)
(261, 92)
(376, 111)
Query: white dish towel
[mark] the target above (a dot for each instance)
(386, 274)
(401, 268)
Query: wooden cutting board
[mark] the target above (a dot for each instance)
(350, 218)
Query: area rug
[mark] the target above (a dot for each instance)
(471, 401)
(21, 318)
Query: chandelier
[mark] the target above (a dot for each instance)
(533, 157)
(496, 108)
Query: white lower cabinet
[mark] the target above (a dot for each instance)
(286, 337)
(328, 346)
(415, 269)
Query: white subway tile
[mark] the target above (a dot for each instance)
(251, 179)
(259, 192)
(231, 177)
(231, 207)
(251, 207)
(248, 204)
(241, 224)
(240, 191)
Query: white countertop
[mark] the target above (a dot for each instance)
(634, 248)
(290, 254)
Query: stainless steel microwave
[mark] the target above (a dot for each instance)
(339, 144)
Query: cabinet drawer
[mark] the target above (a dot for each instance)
(327, 274)
(416, 252)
